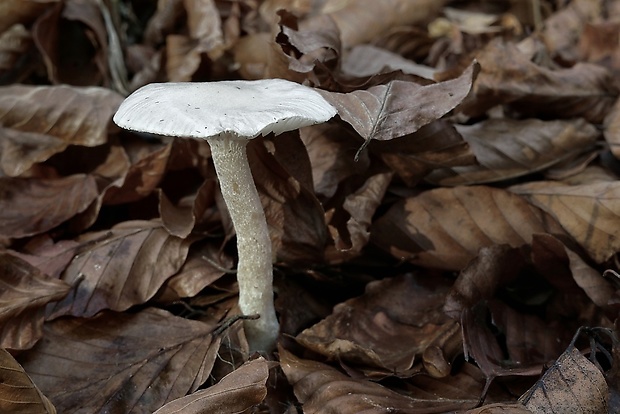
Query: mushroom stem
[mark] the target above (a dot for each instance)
(254, 268)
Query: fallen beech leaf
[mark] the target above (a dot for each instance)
(331, 149)
(388, 327)
(499, 408)
(24, 294)
(18, 394)
(180, 219)
(15, 43)
(294, 215)
(49, 257)
(12, 12)
(121, 362)
(238, 391)
(591, 281)
(143, 176)
(509, 77)
(322, 389)
(612, 129)
(508, 148)
(367, 60)
(351, 16)
(572, 384)
(434, 146)
(78, 116)
(446, 227)
(19, 151)
(360, 207)
(588, 212)
(119, 268)
(30, 206)
(399, 108)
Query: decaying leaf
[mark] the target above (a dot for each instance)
(122, 362)
(18, 394)
(240, 390)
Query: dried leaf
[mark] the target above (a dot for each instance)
(588, 212)
(119, 268)
(509, 77)
(508, 149)
(122, 362)
(18, 394)
(350, 16)
(238, 391)
(78, 116)
(446, 227)
(19, 151)
(30, 206)
(571, 384)
(24, 294)
(399, 108)
(322, 389)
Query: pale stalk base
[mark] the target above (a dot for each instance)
(254, 270)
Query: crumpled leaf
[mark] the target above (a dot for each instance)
(25, 293)
(399, 108)
(19, 151)
(322, 389)
(588, 212)
(122, 362)
(388, 328)
(506, 148)
(446, 227)
(121, 267)
(238, 391)
(30, 206)
(571, 384)
(18, 394)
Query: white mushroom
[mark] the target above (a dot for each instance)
(228, 114)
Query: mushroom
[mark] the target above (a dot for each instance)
(228, 114)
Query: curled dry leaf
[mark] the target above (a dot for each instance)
(238, 391)
(119, 268)
(446, 227)
(121, 362)
(388, 328)
(30, 206)
(506, 148)
(588, 212)
(18, 394)
(399, 108)
(572, 384)
(25, 12)
(611, 129)
(359, 207)
(25, 293)
(78, 116)
(322, 389)
(143, 176)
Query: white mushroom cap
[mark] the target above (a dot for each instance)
(244, 109)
